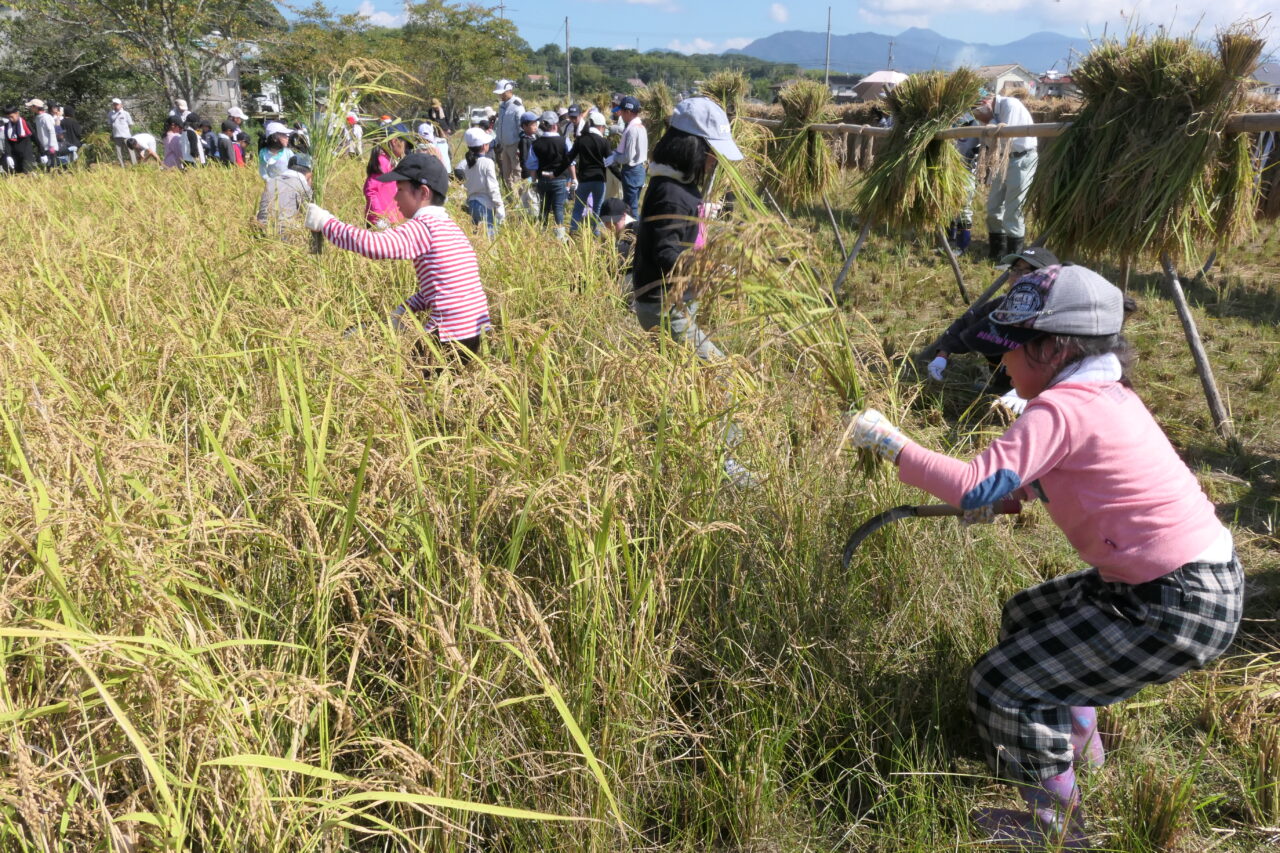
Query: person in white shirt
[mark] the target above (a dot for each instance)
(143, 147)
(121, 124)
(484, 192)
(46, 132)
(1006, 226)
(632, 154)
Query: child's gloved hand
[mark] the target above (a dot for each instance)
(317, 216)
(871, 431)
(936, 367)
(1011, 401)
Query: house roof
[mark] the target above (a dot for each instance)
(988, 71)
(894, 77)
(1269, 74)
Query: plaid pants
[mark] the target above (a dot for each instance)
(1080, 640)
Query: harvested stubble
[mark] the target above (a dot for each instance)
(919, 181)
(1147, 168)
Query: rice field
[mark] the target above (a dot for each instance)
(267, 587)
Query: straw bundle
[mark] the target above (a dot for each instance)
(1147, 169)
(727, 88)
(803, 164)
(919, 181)
(658, 104)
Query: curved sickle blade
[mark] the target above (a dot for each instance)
(873, 524)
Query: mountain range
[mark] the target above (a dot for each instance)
(915, 49)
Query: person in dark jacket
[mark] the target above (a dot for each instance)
(70, 136)
(587, 156)
(670, 224)
(20, 154)
(547, 161)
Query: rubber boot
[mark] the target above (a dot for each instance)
(1085, 742)
(1012, 246)
(964, 237)
(1053, 802)
(995, 247)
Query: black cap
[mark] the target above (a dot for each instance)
(1038, 256)
(228, 126)
(613, 208)
(629, 104)
(422, 169)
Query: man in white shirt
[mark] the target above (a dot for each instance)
(1006, 226)
(632, 153)
(143, 146)
(46, 132)
(121, 124)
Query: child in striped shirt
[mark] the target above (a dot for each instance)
(449, 290)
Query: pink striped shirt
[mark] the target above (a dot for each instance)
(448, 275)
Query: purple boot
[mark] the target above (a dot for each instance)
(1053, 802)
(1052, 821)
(1085, 742)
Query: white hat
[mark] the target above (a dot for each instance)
(426, 131)
(236, 112)
(116, 101)
(475, 137)
(503, 86)
(596, 118)
(36, 102)
(181, 104)
(274, 127)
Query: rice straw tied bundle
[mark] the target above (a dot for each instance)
(1147, 168)
(728, 88)
(804, 165)
(658, 104)
(919, 181)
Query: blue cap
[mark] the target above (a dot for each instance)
(630, 104)
(704, 117)
(528, 116)
(574, 111)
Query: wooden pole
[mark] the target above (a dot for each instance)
(838, 287)
(1126, 269)
(831, 214)
(777, 207)
(945, 245)
(1221, 421)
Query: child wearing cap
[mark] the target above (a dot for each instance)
(587, 156)
(285, 196)
(449, 292)
(480, 178)
(273, 158)
(1165, 589)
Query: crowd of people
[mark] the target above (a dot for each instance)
(47, 137)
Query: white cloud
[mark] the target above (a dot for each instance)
(367, 11)
(779, 13)
(701, 45)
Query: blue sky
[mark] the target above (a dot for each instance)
(715, 25)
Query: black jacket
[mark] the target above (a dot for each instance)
(590, 151)
(551, 160)
(958, 338)
(668, 226)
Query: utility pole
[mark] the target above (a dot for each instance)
(890, 68)
(826, 75)
(568, 73)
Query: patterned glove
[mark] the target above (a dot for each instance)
(1012, 402)
(936, 367)
(317, 216)
(871, 431)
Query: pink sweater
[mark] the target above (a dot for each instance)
(380, 197)
(1105, 471)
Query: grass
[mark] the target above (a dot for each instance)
(269, 588)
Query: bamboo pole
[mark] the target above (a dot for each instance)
(769, 196)
(1221, 421)
(831, 214)
(838, 287)
(1238, 123)
(955, 266)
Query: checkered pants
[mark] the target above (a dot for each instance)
(1080, 640)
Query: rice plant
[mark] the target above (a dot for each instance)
(804, 165)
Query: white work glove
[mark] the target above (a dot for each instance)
(8, 162)
(317, 216)
(871, 431)
(1012, 402)
(936, 367)
(44, 159)
(985, 514)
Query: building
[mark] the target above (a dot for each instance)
(1267, 78)
(844, 87)
(1055, 84)
(876, 84)
(1003, 79)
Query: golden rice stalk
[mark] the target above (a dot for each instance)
(728, 88)
(658, 104)
(919, 181)
(1147, 167)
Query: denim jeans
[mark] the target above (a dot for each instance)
(594, 189)
(553, 193)
(632, 184)
(481, 213)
